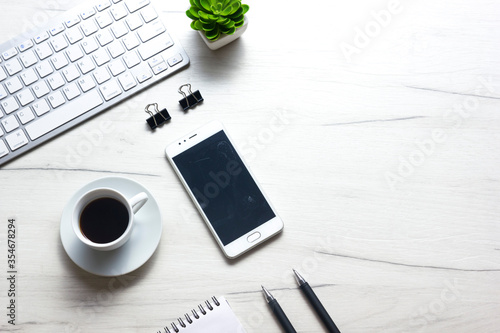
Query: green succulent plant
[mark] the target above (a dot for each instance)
(216, 17)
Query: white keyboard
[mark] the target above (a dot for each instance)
(90, 58)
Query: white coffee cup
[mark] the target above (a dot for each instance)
(107, 216)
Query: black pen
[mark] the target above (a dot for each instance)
(278, 312)
(316, 304)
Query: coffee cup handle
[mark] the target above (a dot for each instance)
(137, 201)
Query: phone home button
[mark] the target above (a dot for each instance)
(253, 237)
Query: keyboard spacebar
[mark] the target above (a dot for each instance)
(62, 115)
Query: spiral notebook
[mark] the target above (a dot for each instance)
(214, 316)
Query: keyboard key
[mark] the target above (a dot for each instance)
(41, 107)
(14, 84)
(56, 99)
(25, 115)
(9, 53)
(74, 35)
(119, 29)
(71, 91)
(10, 123)
(134, 5)
(26, 45)
(25, 97)
(131, 59)
(74, 53)
(3, 76)
(59, 43)
(160, 68)
(103, 20)
(127, 81)
(86, 83)
(29, 76)
(143, 74)
(63, 114)
(41, 37)
(59, 61)
(3, 94)
(56, 81)
(44, 69)
(155, 61)
(116, 49)
(118, 12)
(17, 139)
(104, 37)
(13, 66)
(87, 13)
(134, 21)
(72, 21)
(3, 148)
(89, 27)
(57, 29)
(155, 46)
(28, 58)
(172, 61)
(10, 105)
(116, 67)
(150, 30)
(130, 41)
(102, 75)
(149, 14)
(101, 57)
(71, 73)
(102, 5)
(43, 51)
(110, 90)
(86, 65)
(40, 89)
(89, 45)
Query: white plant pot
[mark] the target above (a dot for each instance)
(224, 39)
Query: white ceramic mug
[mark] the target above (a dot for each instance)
(132, 205)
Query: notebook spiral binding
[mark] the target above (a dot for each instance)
(189, 319)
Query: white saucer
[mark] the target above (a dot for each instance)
(140, 247)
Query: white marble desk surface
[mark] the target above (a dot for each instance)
(381, 152)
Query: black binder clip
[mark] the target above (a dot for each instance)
(190, 100)
(157, 118)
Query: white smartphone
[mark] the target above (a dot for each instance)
(228, 197)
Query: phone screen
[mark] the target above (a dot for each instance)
(223, 187)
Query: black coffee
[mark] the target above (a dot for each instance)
(104, 220)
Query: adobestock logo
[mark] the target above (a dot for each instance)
(90, 139)
(309, 264)
(372, 29)
(266, 135)
(431, 312)
(95, 137)
(40, 18)
(75, 154)
(277, 124)
(95, 305)
(221, 180)
(455, 116)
